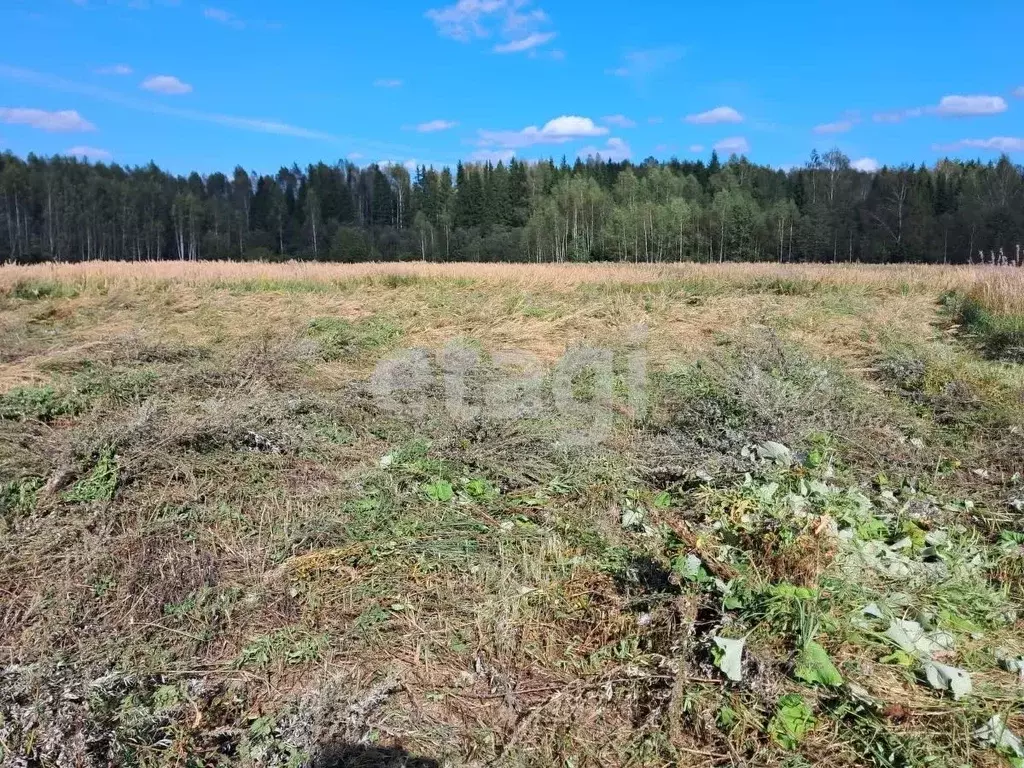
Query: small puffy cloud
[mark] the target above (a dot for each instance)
(716, 115)
(969, 106)
(619, 121)
(865, 164)
(737, 145)
(66, 121)
(493, 155)
(166, 84)
(615, 150)
(387, 82)
(696, 148)
(995, 144)
(525, 43)
(115, 69)
(557, 131)
(90, 153)
(433, 126)
(840, 126)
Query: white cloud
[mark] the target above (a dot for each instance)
(615, 150)
(619, 121)
(66, 121)
(115, 69)
(354, 156)
(949, 106)
(223, 17)
(840, 126)
(645, 63)
(696, 148)
(968, 106)
(865, 164)
(90, 153)
(520, 26)
(655, 120)
(526, 43)
(716, 115)
(166, 84)
(557, 131)
(995, 144)
(493, 155)
(733, 145)
(386, 82)
(435, 125)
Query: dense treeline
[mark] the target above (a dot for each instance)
(65, 210)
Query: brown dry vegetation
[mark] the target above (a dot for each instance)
(217, 550)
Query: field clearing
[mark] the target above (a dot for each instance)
(780, 527)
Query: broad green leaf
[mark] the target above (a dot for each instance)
(792, 721)
(814, 666)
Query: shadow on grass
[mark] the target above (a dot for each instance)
(360, 756)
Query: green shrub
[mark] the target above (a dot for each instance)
(41, 403)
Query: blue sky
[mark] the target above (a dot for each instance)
(261, 83)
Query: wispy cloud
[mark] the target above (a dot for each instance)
(733, 145)
(840, 126)
(66, 121)
(644, 63)
(257, 125)
(229, 19)
(90, 153)
(865, 164)
(655, 120)
(526, 43)
(716, 115)
(619, 121)
(995, 144)
(167, 84)
(221, 16)
(387, 82)
(520, 26)
(1019, 92)
(949, 106)
(557, 131)
(696, 148)
(614, 149)
(433, 126)
(115, 69)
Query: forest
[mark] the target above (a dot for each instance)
(66, 210)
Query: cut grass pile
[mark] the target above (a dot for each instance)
(802, 544)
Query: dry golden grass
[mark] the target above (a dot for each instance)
(997, 282)
(1001, 294)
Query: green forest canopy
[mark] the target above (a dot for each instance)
(63, 209)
